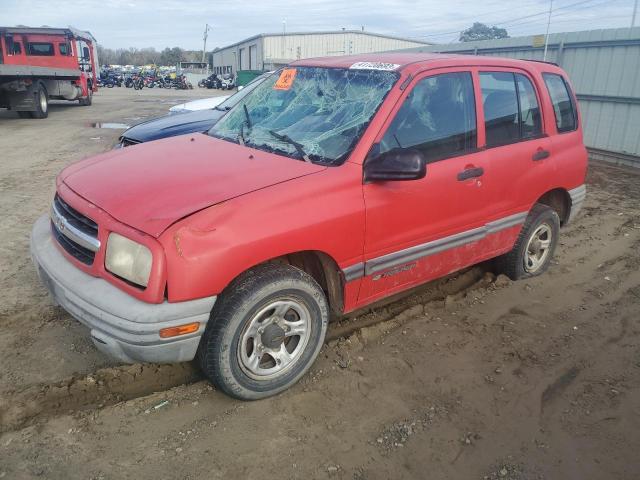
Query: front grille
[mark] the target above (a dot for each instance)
(75, 218)
(78, 252)
(81, 223)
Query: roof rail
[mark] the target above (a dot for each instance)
(539, 61)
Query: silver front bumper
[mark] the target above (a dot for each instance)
(121, 325)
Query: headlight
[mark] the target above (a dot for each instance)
(128, 259)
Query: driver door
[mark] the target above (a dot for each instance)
(422, 229)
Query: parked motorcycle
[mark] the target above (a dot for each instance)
(182, 83)
(212, 81)
(138, 83)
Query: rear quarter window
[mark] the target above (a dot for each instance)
(564, 108)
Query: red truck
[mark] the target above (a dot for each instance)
(39, 64)
(336, 183)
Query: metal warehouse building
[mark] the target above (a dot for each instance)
(267, 51)
(604, 68)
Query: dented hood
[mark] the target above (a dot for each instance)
(152, 185)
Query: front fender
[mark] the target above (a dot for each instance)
(322, 212)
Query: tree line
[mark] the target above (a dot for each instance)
(147, 56)
(171, 56)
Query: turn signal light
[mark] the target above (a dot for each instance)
(179, 330)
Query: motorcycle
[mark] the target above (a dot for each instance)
(212, 81)
(182, 83)
(228, 82)
(138, 83)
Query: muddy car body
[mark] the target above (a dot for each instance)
(337, 183)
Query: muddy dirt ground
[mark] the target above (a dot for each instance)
(470, 377)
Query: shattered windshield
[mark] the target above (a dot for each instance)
(309, 113)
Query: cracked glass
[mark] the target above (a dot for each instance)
(308, 113)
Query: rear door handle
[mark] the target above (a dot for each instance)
(541, 154)
(470, 173)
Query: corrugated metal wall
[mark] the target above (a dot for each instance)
(273, 50)
(285, 49)
(604, 68)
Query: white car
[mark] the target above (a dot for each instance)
(202, 104)
(212, 102)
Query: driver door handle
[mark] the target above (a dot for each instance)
(468, 173)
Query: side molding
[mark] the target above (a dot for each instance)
(433, 247)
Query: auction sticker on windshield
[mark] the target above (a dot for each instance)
(286, 79)
(374, 66)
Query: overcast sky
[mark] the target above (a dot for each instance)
(168, 23)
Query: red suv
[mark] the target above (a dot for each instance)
(339, 181)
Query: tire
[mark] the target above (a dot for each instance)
(241, 351)
(532, 253)
(42, 103)
(86, 101)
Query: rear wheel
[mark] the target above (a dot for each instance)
(534, 248)
(265, 332)
(42, 103)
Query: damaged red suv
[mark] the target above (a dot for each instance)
(338, 182)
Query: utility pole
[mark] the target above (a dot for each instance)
(204, 47)
(546, 37)
(635, 11)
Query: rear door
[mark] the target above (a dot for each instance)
(421, 229)
(515, 143)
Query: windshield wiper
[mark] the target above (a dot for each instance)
(246, 115)
(247, 122)
(299, 148)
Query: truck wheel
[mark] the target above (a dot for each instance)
(534, 248)
(265, 331)
(86, 101)
(42, 103)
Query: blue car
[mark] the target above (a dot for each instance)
(183, 123)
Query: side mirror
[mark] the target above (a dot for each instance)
(394, 165)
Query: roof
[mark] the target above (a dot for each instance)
(404, 59)
(49, 31)
(325, 32)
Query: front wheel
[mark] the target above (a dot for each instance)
(265, 332)
(534, 248)
(86, 101)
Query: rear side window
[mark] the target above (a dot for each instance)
(511, 109)
(563, 107)
(530, 119)
(438, 117)
(64, 49)
(41, 49)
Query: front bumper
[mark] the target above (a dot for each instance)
(121, 326)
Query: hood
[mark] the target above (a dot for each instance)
(171, 125)
(153, 185)
(202, 104)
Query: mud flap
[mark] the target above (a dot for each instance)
(23, 101)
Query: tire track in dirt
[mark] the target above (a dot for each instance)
(109, 386)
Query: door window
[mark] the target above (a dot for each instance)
(438, 117)
(563, 107)
(511, 109)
